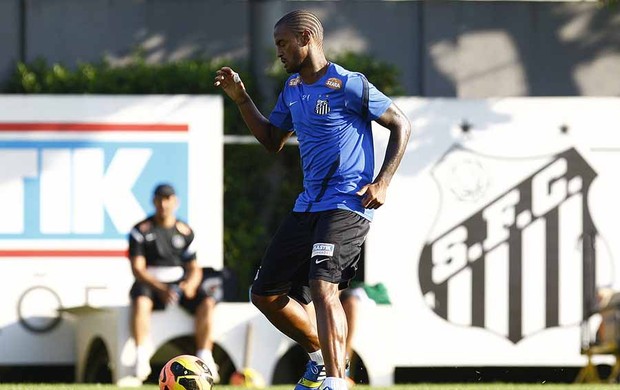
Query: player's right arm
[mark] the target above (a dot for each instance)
(272, 138)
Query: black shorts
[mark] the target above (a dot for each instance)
(190, 305)
(323, 245)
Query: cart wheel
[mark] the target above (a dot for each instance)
(98, 364)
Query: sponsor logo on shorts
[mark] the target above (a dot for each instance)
(319, 261)
(322, 249)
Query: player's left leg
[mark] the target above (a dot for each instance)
(338, 239)
(332, 326)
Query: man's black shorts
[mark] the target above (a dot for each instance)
(190, 305)
(323, 245)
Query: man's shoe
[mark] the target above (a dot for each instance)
(312, 378)
(347, 372)
(143, 370)
(214, 368)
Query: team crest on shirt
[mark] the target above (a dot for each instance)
(322, 107)
(333, 83)
(294, 81)
(178, 241)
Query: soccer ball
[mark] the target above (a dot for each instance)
(185, 372)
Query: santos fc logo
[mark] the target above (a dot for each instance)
(510, 260)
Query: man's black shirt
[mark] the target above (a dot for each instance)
(162, 246)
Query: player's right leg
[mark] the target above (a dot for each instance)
(290, 318)
(285, 267)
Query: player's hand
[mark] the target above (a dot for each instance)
(231, 83)
(373, 195)
(171, 295)
(188, 291)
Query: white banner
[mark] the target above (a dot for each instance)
(480, 243)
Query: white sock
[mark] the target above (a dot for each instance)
(142, 354)
(335, 383)
(317, 356)
(205, 355)
(143, 364)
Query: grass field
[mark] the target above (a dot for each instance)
(456, 386)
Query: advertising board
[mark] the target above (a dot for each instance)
(76, 173)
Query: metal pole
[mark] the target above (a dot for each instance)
(263, 15)
(22, 30)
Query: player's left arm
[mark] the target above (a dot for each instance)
(393, 119)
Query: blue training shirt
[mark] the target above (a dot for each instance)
(332, 120)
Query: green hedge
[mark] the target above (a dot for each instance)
(253, 203)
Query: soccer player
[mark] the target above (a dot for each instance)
(164, 265)
(315, 251)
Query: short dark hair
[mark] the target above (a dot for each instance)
(301, 20)
(164, 190)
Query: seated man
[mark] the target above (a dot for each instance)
(164, 265)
